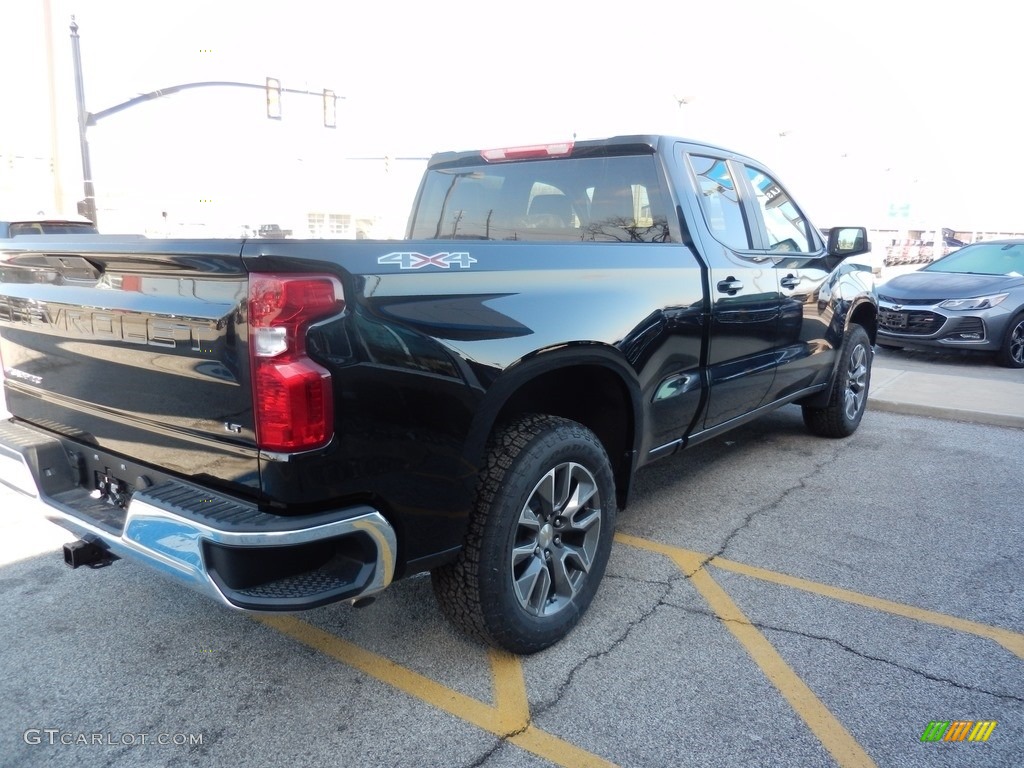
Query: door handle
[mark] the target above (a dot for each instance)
(789, 281)
(730, 286)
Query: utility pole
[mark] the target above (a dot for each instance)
(272, 86)
(86, 207)
(51, 83)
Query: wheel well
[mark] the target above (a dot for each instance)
(595, 397)
(866, 317)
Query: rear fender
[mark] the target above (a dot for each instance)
(611, 407)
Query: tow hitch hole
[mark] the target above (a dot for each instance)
(79, 553)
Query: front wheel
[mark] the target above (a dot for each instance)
(539, 537)
(849, 395)
(1011, 354)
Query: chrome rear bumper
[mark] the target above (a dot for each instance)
(226, 548)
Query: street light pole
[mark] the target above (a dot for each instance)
(51, 82)
(88, 208)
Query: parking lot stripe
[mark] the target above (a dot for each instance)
(823, 724)
(1012, 641)
(555, 750)
(508, 719)
(509, 685)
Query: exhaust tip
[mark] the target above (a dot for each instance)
(81, 552)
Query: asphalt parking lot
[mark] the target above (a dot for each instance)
(773, 599)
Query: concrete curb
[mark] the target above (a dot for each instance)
(943, 396)
(948, 413)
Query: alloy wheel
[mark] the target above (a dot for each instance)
(556, 538)
(1016, 343)
(856, 386)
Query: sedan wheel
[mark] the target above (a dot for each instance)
(1011, 354)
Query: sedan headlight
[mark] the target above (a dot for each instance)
(979, 302)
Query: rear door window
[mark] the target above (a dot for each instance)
(719, 201)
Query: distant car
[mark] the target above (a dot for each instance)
(273, 230)
(971, 299)
(46, 226)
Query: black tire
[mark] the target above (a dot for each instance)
(848, 397)
(539, 536)
(1011, 354)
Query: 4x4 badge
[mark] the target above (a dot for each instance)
(412, 260)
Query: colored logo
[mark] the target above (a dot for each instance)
(958, 730)
(411, 260)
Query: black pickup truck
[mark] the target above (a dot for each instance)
(288, 423)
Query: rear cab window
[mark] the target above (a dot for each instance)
(583, 199)
(17, 228)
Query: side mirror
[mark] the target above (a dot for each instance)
(848, 241)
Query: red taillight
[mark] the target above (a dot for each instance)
(291, 393)
(532, 152)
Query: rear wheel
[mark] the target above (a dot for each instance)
(1011, 354)
(849, 396)
(539, 537)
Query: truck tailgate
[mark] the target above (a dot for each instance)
(140, 354)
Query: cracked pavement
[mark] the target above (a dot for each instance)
(772, 599)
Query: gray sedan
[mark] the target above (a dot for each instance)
(971, 299)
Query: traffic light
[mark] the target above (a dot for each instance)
(87, 208)
(330, 109)
(273, 98)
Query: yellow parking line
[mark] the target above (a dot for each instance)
(507, 719)
(509, 685)
(510, 697)
(1012, 641)
(555, 750)
(829, 731)
(395, 675)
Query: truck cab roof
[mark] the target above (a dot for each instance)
(632, 144)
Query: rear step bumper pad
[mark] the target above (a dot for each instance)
(340, 555)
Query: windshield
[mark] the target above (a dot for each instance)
(983, 259)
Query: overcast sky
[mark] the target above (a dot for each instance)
(859, 106)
